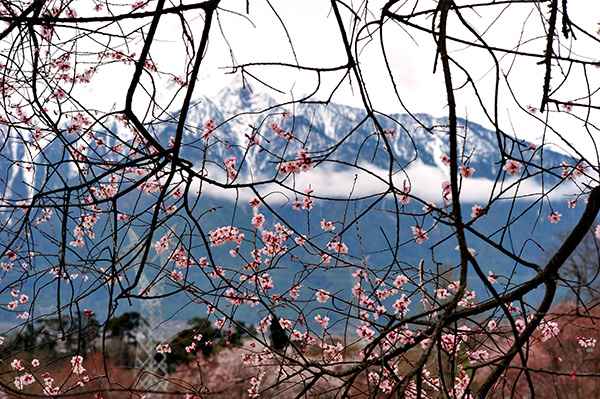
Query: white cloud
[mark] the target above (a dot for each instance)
(425, 181)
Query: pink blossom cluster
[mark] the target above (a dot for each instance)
(428, 207)
(151, 186)
(512, 167)
(232, 297)
(139, 4)
(7, 266)
(478, 356)
(176, 276)
(554, 217)
(451, 343)
(391, 133)
(295, 291)
(476, 211)
(322, 296)
(442, 293)
(106, 190)
(78, 153)
(85, 227)
(301, 164)
(191, 348)
(220, 323)
(209, 128)
(149, 66)
(322, 321)
(78, 123)
(161, 245)
(274, 126)
(401, 305)
(466, 171)
(512, 309)
(325, 225)
(264, 324)
(420, 234)
(47, 215)
(447, 192)
(332, 353)
(254, 202)
(49, 389)
(179, 80)
(119, 56)
(263, 281)
(257, 360)
(77, 365)
(461, 385)
(337, 246)
(549, 330)
(285, 324)
(24, 380)
(365, 332)
(230, 167)
(303, 338)
(445, 159)
(400, 280)
(258, 220)
(306, 203)
(382, 294)
(386, 382)
(586, 342)
(570, 172)
(404, 197)
(163, 348)
(61, 62)
(300, 241)
(225, 234)
(12, 305)
(274, 240)
(17, 364)
(467, 299)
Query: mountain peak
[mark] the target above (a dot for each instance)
(239, 96)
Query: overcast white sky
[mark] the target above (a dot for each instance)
(260, 37)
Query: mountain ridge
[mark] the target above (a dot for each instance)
(332, 132)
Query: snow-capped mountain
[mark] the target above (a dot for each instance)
(341, 133)
(334, 136)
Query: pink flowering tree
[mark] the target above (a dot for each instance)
(369, 250)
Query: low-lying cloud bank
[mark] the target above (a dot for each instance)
(425, 182)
